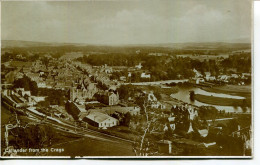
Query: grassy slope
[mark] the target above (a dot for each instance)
(237, 90)
(83, 147)
(218, 100)
(93, 147)
(5, 115)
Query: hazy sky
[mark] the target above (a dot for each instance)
(127, 22)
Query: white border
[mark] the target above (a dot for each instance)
(256, 84)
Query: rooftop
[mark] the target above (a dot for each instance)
(99, 117)
(20, 64)
(80, 107)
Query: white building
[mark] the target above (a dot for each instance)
(139, 66)
(245, 75)
(209, 77)
(197, 73)
(38, 98)
(41, 84)
(101, 120)
(22, 92)
(199, 80)
(154, 103)
(193, 113)
(133, 110)
(144, 75)
(234, 76)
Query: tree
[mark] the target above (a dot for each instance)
(44, 104)
(27, 84)
(168, 133)
(157, 94)
(192, 95)
(33, 87)
(22, 83)
(182, 121)
(232, 126)
(45, 61)
(127, 119)
(34, 57)
(142, 145)
(126, 91)
(123, 91)
(207, 113)
(10, 77)
(27, 135)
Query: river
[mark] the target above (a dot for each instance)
(184, 95)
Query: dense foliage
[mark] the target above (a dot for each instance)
(53, 96)
(33, 136)
(170, 67)
(240, 62)
(27, 84)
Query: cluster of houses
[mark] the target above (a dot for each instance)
(65, 75)
(82, 89)
(100, 117)
(108, 70)
(57, 75)
(158, 54)
(97, 74)
(207, 77)
(21, 98)
(245, 135)
(184, 113)
(77, 106)
(83, 92)
(153, 102)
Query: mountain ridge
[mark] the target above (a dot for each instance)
(21, 43)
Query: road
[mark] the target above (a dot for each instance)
(157, 82)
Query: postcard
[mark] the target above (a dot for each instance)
(127, 79)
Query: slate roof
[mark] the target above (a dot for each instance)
(99, 117)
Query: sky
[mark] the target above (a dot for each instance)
(127, 22)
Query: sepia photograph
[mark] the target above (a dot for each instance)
(127, 79)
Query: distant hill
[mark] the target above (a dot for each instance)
(14, 43)
(189, 45)
(200, 45)
(239, 40)
(18, 43)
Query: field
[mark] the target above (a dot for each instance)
(118, 131)
(236, 90)
(72, 144)
(5, 115)
(93, 147)
(72, 55)
(219, 101)
(204, 57)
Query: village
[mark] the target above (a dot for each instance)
(80, 96)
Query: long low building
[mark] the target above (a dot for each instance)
(133, 110)
(75, 110)
(100, 120)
